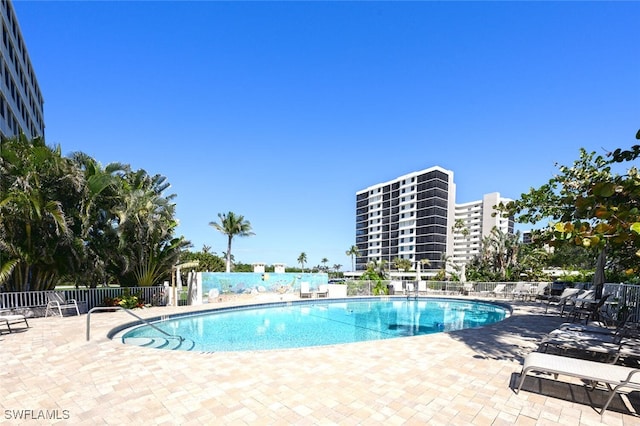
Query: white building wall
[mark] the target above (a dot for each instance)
(478, 220)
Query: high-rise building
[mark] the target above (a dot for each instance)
(21, 103)
(473, 222)
(410, 217)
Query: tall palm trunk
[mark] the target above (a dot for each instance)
(229, 253)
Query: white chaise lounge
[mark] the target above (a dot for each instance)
(323, 290)
(616, 377)
(9, 319)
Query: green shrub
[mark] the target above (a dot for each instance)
(127, 300)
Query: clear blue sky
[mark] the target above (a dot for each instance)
(282, 111)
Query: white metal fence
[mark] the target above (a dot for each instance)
(33, 303)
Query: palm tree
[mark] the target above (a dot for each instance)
(38, 192)
(232, 225)
(500, 249)
(402, 264)
(232, 257)
(302, 259)
(353, 252)
(145, 227)
(324, 262)
(95, 229)
(379, 267)
(422, 262)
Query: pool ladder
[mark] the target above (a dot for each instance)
(412, 288)
(120, 308)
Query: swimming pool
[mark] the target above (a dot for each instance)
(312, 323)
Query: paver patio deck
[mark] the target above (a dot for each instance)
(461, 378)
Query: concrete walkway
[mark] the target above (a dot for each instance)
(51, 375)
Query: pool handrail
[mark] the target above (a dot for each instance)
(112, 308)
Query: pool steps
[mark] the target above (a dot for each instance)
(160, 343)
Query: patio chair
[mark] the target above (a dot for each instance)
(9, 319)
(616, 377)
(304, 290)
(56, 303)
(422, 287)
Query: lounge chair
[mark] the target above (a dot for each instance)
(9, 319)
(539, 292)
(585, 342)
(578, 300)
(498, 290)
(422, 287)
(618, 376)
(56, 303)
(397, 287)
(323, 290)
(521, 290)
(213, 295)
(562, 300)
(467, 288)
(588, 310)
(304, 290)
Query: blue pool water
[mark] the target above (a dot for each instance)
(317, 323)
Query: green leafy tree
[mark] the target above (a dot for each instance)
(532, 260)
(571, 257)
(379, 268)
(589, 205)
(207, 262)
(232, 225)
(243, 267)
(376, 272)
